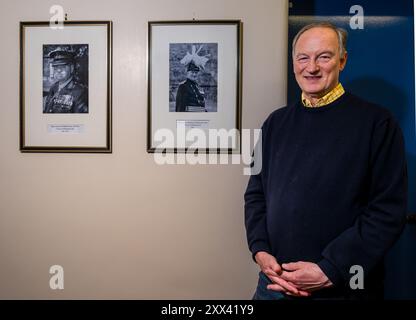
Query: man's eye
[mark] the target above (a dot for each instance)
(324, 57)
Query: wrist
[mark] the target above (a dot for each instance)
(260, 255)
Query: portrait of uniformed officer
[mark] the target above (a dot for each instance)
(66, 95)
(190, 97)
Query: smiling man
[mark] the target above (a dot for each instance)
(332, 193)
(317, 61)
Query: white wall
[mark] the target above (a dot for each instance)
(120, 225)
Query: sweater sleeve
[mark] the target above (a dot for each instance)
(382, 219)
(255, 210)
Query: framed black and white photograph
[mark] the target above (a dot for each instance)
(194, 84)
(66, 87)
(193, 77)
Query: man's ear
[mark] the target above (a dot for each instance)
(343, 61)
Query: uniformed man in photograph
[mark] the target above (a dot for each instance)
(65, 95)
(190, 97)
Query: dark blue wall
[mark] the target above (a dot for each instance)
(380, 68)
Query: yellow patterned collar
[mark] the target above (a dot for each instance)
(331, 96)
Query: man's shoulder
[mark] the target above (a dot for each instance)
(368, 108)
(185, 85)
(277, 115)
(75, 85)
(275, 120)
(279, 111)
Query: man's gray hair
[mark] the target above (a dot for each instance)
(341, 33)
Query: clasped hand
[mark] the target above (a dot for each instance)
(295, 279)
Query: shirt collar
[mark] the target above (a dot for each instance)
(331, 96)
(63, 85)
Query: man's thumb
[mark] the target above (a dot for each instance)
(276, 268)
(291, 266)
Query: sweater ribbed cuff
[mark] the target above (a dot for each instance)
(331, 272)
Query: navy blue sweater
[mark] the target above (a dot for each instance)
(332, 190)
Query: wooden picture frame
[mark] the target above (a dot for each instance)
(194, 86)
(66, 87)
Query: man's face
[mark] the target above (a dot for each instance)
(317, 62)
(62, 72)
(192, 75)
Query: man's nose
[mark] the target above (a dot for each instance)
(313, 67)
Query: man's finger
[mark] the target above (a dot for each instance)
(292, 266)
(289, 276)
(301, 294)
(283, 283)
(271, 272)
(276, 287)
(276, 268)
(304, 293)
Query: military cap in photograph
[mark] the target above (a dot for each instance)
(61, 57)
